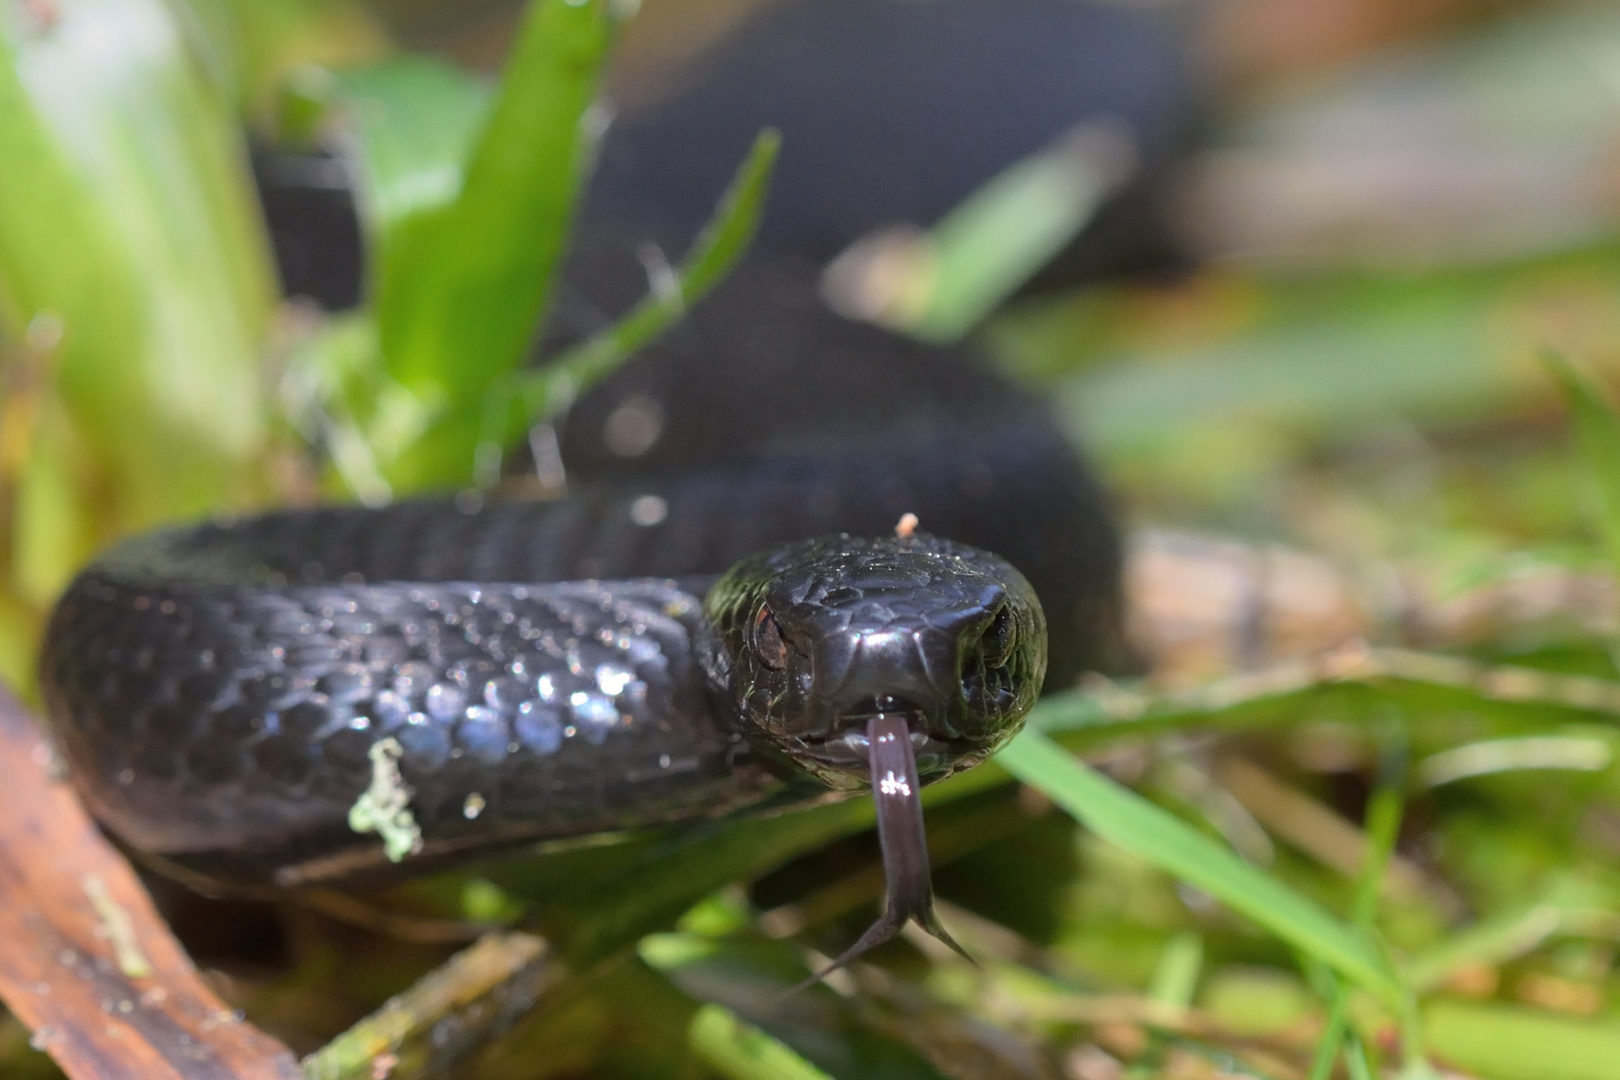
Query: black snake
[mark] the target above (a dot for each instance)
(324, 695)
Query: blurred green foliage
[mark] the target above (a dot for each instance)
(135, 294)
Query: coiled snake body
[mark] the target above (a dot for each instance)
(321, 696)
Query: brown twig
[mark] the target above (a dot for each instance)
(451, 1012)
(85, 961)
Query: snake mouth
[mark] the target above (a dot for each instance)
(848, 751)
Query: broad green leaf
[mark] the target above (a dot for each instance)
(465, 285)
(411, 121)
(1129, 821)
(128, 217)
(413, 124)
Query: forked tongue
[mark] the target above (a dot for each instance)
(910, 890)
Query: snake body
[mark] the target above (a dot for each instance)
(329, 695)
(220, 690)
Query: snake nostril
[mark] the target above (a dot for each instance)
(983, 664)
(999, 638)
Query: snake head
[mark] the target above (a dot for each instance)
(817, 637)
(888, 663)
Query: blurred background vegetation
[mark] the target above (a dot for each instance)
(1397, 212)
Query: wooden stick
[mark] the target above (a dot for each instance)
(86, 963)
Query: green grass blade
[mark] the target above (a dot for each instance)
(1520, 698)
(718, 247)
(1494, 940)
(1327, 1048)
(1131, 822)
(984, 249)
(1175, 977)
(466, 285)
(1383, 824)
(1598, 429)
(465, 251)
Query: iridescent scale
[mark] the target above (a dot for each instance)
(517, 709)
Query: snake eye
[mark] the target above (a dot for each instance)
(999, 639)
(769, 644)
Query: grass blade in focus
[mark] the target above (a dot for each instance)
(1129, 821)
